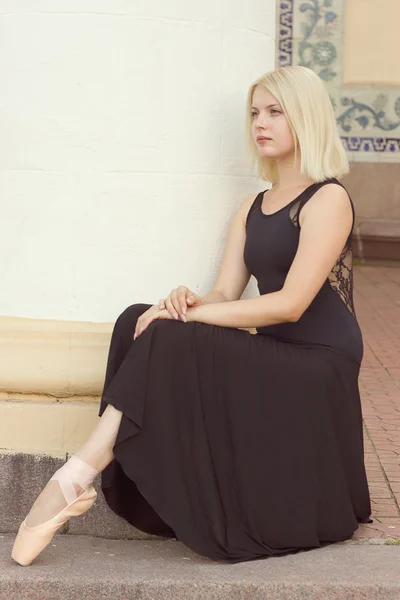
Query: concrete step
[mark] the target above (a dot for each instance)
(87, 568)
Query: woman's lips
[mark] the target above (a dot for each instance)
(263, 139)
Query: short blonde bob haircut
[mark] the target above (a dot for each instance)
(308, 110)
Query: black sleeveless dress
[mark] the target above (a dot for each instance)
(243, 446)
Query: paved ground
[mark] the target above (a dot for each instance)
(84, 568)
(377, 300)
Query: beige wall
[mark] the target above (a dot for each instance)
(371, 42)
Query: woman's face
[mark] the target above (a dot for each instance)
(270, 129)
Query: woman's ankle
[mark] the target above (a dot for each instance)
(98, 460)
(75, 471)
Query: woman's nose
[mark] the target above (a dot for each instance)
(261, 122)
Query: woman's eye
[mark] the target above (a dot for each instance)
(273, 111)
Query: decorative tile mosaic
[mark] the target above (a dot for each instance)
(310, 34)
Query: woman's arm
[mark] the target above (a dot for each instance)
(213, 297)
(326, 222)
(268, 309)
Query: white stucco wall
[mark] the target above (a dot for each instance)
(122, 155)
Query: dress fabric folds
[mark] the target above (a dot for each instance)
(243, 446)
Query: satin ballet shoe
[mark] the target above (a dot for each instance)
(31, 541)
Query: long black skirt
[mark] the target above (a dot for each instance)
(238, 445)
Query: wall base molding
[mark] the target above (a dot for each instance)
(43, 427)
(53, 359)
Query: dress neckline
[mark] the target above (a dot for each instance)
(263, 214)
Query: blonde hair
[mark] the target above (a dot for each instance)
(308, 110)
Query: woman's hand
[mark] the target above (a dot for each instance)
(152, 314)
(178, 302)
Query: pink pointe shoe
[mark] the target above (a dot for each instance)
(31, 541)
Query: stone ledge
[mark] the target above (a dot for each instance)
(77, 567)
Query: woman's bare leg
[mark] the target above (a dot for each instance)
(96, 452)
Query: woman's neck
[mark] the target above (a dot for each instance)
(289, 175)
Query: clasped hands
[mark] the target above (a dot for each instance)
(173, 307)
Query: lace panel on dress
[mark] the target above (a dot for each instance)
(341, 276)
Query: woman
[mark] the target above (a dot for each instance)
(241, 446)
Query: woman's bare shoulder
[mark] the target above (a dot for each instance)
(246, 205)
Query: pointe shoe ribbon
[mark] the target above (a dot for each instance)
(31, 541)
(77, 471)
